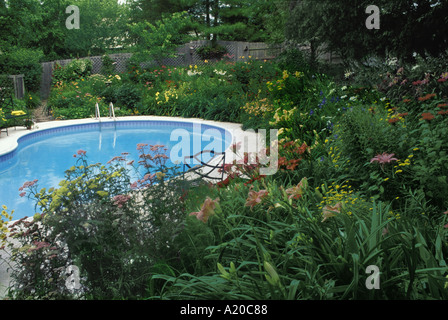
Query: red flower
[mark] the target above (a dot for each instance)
(224, 183)
(393, 120)
(302, 148)
(427, 116)
(428, 96)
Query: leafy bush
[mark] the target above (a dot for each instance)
(23, 61)
(400, 80)
(73, 71)
(107, 65)
(111, 222)
(211, 52)
(269, 241)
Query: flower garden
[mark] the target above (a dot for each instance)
(361, 181)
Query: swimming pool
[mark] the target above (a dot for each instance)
(46, 154)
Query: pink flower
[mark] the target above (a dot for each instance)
(81, 152)
(140, 146)
(121, 199)
(255, 198)
(330, 211)
(28, 184)
(297, 191)
(207, 210)
(383, 158)
(236, 146)
(443, 77)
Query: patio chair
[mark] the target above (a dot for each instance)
(205, 169)
(7, 106)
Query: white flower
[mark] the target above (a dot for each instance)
(220, 72)
(353, 98)
(348, 73)
(344, 88)
(193, 73)
(392, 62)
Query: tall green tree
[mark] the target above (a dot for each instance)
(153, 10)
(406, 26)
(160, 40)
(241, 20)
(103, 26)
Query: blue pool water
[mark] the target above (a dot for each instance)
(45, 155)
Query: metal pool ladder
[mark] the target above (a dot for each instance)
(111, 116)
(97, 112)
(111, 112)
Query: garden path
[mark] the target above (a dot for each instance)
(40, 113)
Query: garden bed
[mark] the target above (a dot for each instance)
(361, 181)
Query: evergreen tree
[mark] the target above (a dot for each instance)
(406, 26)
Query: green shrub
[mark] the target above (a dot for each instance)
(23, 61)
(74, 70)
(111, 222)
(211, 52)
(269, 241)
(108, 66)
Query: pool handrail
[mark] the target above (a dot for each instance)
(97, 112)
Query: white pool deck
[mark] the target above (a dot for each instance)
(251, 142)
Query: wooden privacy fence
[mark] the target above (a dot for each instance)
(185, 55)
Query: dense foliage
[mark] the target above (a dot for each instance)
(361, 180)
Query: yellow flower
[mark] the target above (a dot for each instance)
(160, 175)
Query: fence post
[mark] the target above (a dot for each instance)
(19, 85)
